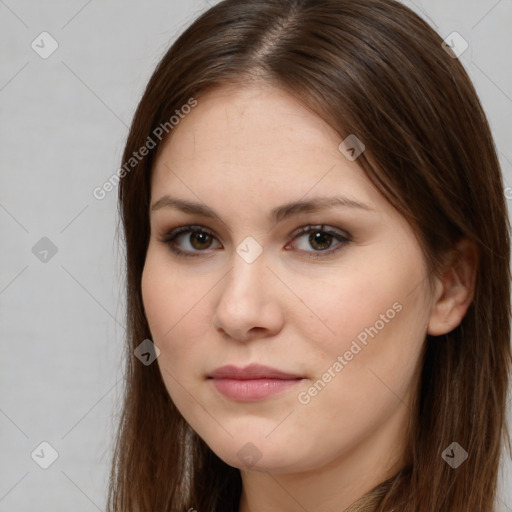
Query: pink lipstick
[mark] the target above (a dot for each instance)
(252, 383)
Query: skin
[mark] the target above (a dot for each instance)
(243, 152)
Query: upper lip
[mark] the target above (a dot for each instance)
(253, 371)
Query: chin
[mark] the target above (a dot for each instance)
(263, 455)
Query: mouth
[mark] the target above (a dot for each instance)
(252, 383)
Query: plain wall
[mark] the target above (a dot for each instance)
(64, 120)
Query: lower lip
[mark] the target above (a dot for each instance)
(252, 390)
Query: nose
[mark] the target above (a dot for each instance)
(248, 304)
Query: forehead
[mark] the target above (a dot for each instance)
(260, 132)
(252, 118)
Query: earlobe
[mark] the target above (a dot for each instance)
(455, 290)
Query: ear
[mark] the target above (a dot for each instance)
(454, 290)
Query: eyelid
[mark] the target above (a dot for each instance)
(342, 236)
(171, 235)
(326, 228)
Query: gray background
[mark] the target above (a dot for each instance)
(64, 120)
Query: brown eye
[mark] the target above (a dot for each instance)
(192, 241)
(189, 240)
(320, 240)
(200, 240)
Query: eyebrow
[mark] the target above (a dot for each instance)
(276, 215)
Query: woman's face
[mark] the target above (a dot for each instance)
(343, 309)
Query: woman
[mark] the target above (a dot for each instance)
(317, 249)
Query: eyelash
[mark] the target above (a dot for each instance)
(170, 237)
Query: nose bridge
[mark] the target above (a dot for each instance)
(247, 274)
(244, 302)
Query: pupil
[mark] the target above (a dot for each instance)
(320, 238)
(203, 238)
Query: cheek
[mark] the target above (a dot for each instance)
(375, 320)
(337, 311)
(170, 305)
(167, 297)
(357, 387)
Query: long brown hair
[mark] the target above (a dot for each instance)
(375, 69)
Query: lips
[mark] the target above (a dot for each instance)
(253, 371)
(252, 383)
